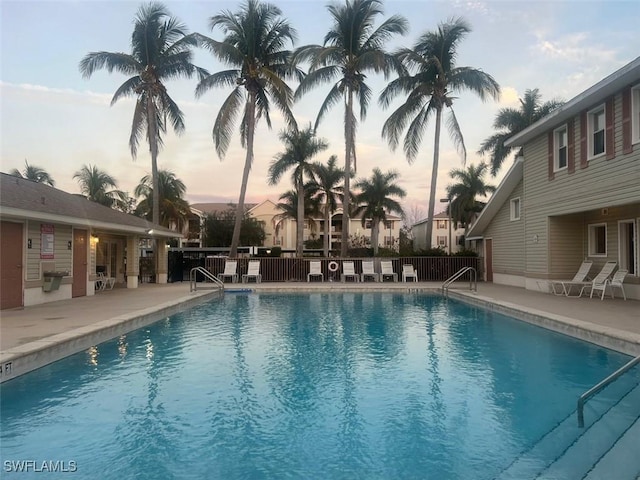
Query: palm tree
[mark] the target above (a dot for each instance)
(160, 51)
(351, 48)
(375, 200)
(510, 121)
(100, 187)
(289, 206)
(174, 209)
(300, 147)
(437, 78)
(326, 187)
(463, 194)
(33, 173)
(254, 46)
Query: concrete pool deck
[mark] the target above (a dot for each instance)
(34, 336)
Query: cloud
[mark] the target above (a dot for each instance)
(509, 97)
(577, 48)
(55, 94)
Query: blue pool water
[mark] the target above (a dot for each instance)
(317, 386)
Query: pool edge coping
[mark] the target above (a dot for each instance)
(21, 359)
(30, 356)
(607, 337)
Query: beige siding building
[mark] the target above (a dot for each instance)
(55, 245)
(574, 194)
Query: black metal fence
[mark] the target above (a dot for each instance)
(430, 269)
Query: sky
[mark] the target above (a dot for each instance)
(54, 118)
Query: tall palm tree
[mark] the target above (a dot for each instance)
(100, 187)
(326, 187)
(352, 47)
(289, 206)
(34, 173)
(254, 46)
(161, 50)
(510, 121)
(375, 200)
(463, 194)
(429, 90)
(300, 147)
(174, 209)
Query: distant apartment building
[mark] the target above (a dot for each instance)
(447, 235)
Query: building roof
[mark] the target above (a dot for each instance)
(598, 93)
(502, 193)
(24, 199)
(442, 215)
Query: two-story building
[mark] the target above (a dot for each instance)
(445, 234)
(574, 194)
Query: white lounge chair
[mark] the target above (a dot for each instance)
(368, 271)
(230, 271)
(409, 272)
(349, 271)
(616, 281)
(103, 282)
(386, 271)
(253, 271)
(563, 287)
(599, 279)
(315, 270)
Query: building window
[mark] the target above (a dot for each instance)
(442, 240)
(596, 126)
(441, 224)
(367, 224)
(515, 209)
(560, 149)
(598, 240)
(635, 114)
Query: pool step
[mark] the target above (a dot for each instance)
(618, 459)
(599, 441)
(559, 441)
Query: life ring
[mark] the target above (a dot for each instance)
(333, 266)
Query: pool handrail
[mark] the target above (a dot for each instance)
(193, 284)
(473, 279)
(601, 385)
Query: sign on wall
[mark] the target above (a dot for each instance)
(47, 241)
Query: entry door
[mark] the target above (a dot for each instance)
(488, 257)
(11, 265)
(79, 286)
(627, 251)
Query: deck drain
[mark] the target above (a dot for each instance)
(54, 318)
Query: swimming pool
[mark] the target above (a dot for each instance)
(340, 385)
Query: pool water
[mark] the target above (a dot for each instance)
(314, 386)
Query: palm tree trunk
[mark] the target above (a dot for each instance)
(348, 141)
(434, 176)
(375, 228)
(300, 221)
(152, 131)
(251, 115)
(327, 229)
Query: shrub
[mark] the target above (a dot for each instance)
(466, 252)
(431, 252)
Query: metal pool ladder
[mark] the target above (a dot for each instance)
(597, 388)
(473, 279)
(193, 285)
